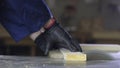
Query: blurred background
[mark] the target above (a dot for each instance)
(88, 21)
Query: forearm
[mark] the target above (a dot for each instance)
(34, 35)
(50, 22)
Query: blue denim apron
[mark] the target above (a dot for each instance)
(23, 17)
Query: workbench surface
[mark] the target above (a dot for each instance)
(45, 62)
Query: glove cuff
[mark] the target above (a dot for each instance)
(50, 23)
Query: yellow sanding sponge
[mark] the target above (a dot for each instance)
(67, 55)
(75, 56)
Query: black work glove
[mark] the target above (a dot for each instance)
(55, 38)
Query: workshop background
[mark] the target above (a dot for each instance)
(88, 21)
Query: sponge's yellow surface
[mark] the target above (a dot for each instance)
(68, 55)
(75, 56)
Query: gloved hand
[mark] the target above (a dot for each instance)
(55, 38)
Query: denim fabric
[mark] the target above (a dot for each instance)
(23, 17)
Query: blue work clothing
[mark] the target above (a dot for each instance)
(23, 17)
